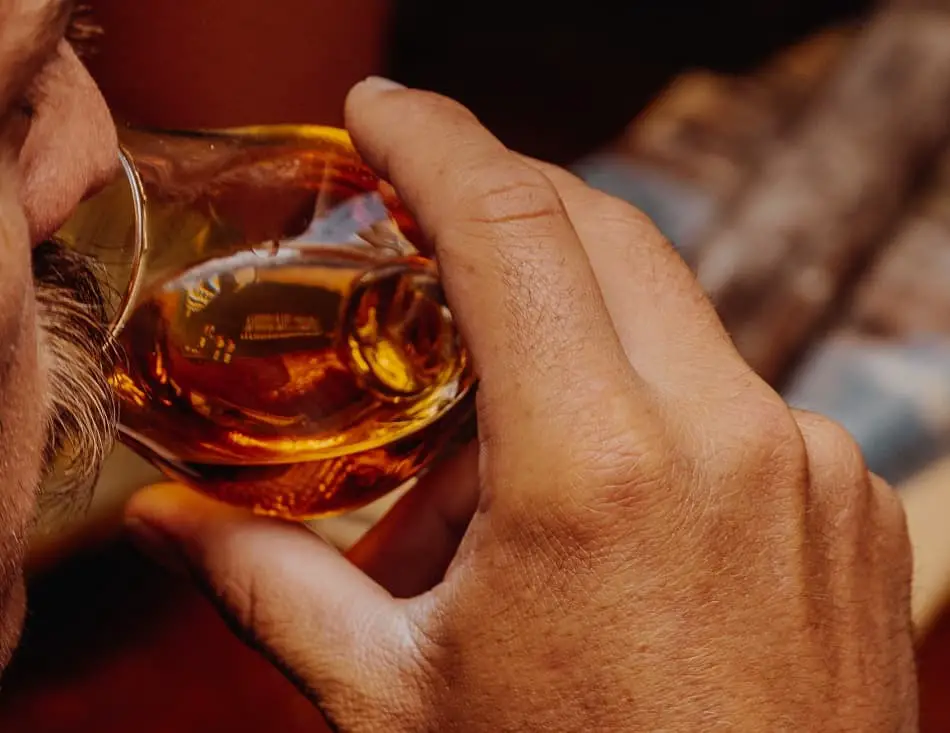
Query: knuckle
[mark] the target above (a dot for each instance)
(833, 454)
(889, 534)
(849, 496)
(612, 211)
(249, 611)
(240, 605)
(508, 192)
(607, 210)
(760, 439)
(891, 510)
(244, 597)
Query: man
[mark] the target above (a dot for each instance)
(645, 537)
(56, 143)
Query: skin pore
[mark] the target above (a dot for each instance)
(57, 143)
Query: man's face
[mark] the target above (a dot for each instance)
(57, 143)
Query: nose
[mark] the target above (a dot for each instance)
(71, 148)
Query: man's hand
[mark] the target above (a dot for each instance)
(656, 542)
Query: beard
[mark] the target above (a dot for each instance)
(61, 446)
(79, 354)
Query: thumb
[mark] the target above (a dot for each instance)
(341, 638)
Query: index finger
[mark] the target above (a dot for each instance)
(516, 275)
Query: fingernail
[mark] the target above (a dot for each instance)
(156, 545)
(380, 84)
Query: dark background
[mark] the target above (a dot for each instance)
(555, 80)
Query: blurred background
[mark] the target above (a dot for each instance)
(795, 153)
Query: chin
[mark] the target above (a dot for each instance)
(12, 615)
(18, 492)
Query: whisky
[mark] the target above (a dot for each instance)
(301, 383)
(283, 344)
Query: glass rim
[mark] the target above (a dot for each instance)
(137, 268)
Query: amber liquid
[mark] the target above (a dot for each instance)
(290, 385)
(290, 351)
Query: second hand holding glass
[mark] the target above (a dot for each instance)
(284, 346)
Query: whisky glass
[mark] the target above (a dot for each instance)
(284, 345)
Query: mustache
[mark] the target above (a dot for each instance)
(79, 355)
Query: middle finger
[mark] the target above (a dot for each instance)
(669, 329)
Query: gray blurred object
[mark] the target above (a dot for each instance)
(680, 209)
(893, 398)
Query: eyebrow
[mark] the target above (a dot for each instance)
(30, 31)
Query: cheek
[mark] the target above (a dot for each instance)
(23, 409)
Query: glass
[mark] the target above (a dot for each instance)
(284, 344)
